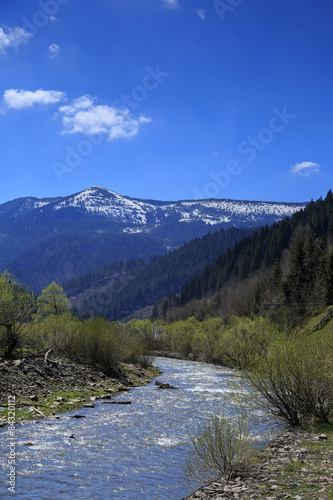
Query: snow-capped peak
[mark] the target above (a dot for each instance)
(139, 214)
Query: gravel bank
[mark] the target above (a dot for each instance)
(296, 465)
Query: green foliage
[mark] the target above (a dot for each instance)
(243, 339)
(294, 377)
(145, 331)
(95, 341)
(292, 374)
(180, 336)
(101, 344)
(205, 337)
(222, 448)
(52, 301)
(16, 308)
(62, 333)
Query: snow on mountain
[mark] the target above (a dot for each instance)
(138, 214)
(107, 203)
(53, 239)
(20, 206)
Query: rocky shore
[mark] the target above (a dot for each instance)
(46, 388)
(296, 465)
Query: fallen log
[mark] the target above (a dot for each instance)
(38, 411)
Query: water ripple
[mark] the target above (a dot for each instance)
(133, 452)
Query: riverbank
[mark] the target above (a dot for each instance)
(297, 465)
(47, 389)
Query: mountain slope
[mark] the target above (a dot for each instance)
(301, 279)
(45, 239)
(117, 291)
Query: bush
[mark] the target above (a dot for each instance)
(205, 338)
(222, 448)
(294, 378)
(60, 333)
(180, 335)
(132, 342)
(243, 339)
(101, 345)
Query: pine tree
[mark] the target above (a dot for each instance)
(294, 286)
(327, 277)
(277, 274)
(256, 305)
(154, 314)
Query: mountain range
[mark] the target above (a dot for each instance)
(46, 239)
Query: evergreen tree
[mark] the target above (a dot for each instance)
(154, 315)
(256, 305)
(277, 274)
(327, 277)
(294, 286)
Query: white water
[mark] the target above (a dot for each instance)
(135, 451)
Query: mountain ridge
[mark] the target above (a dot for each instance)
(104, 202)
(55, 239)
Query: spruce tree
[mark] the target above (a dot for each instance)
(327, 277)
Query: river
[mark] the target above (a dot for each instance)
(135, 451)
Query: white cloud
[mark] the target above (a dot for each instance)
(19, 99)
(202, 14)
(54, 48)
(83, 116)
(173, 4)
(12, 37)
(305, 168)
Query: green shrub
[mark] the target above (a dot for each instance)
(243, 339)
(101, 344)
(60, 333)
(205, 337)
(222, 448)
(294, 378)
(181, 334)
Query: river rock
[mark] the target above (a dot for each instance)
(161, 385)
(268, 478)
(116, 403)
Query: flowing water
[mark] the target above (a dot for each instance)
(135, 451)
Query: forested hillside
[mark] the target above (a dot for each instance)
(116, 291)
(286, 267)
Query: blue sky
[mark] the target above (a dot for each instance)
(167, 99)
